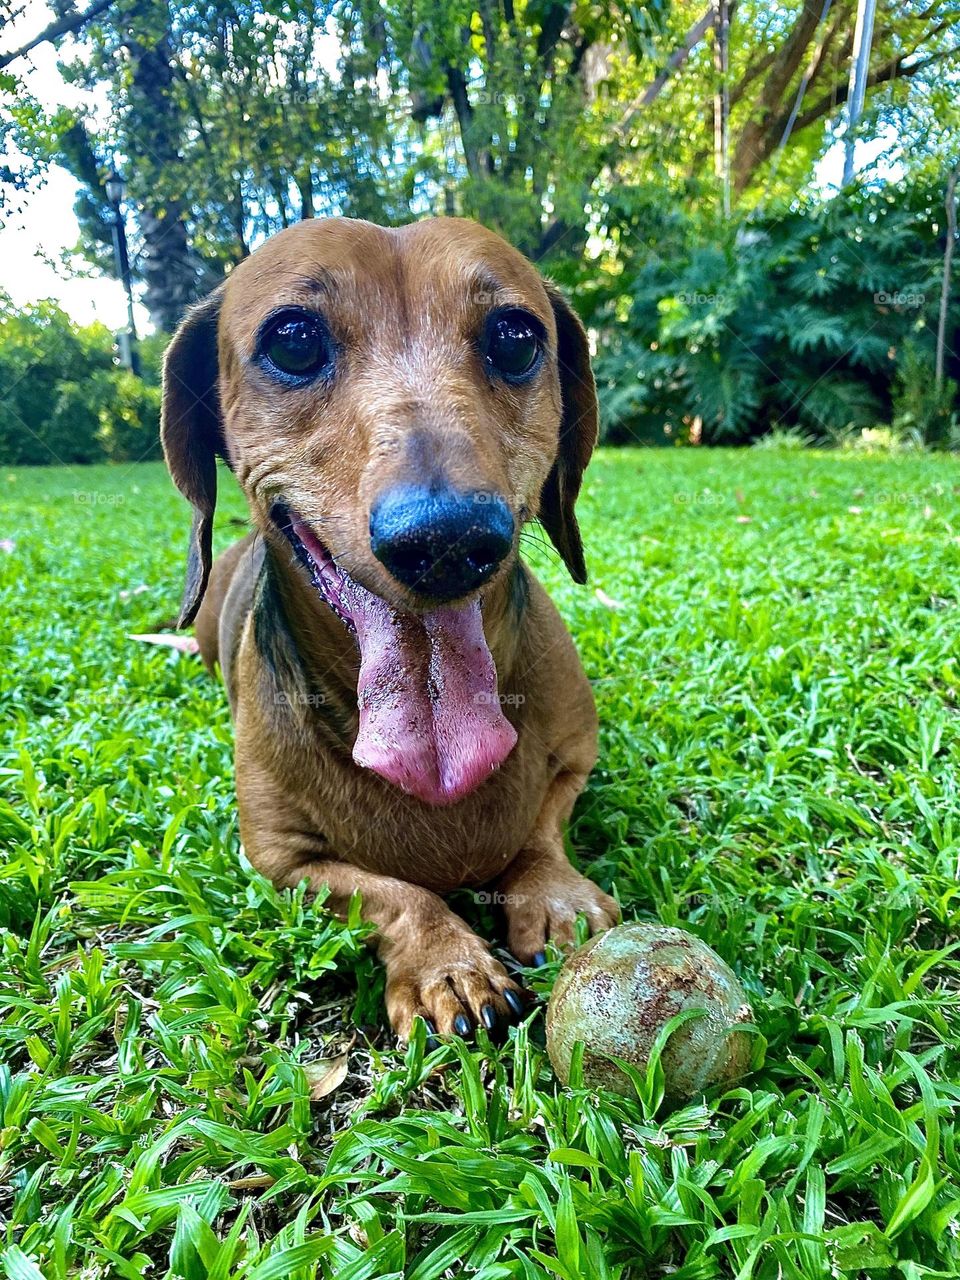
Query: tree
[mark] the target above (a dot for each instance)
(786, 87)
(228, 128)
(234, 119)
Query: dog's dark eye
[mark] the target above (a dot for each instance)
(514, 342)
(296, 343)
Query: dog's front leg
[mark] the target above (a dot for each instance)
(437, 968)
(541, 892)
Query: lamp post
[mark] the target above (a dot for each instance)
(114, 186)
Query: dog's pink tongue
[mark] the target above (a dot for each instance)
(430, 717)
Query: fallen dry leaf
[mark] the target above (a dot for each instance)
(326, 1076)
(608, 601)
(184, 644)
(255, 1182)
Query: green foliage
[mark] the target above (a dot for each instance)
(64, 398)
(232, 121)
(780, 752)
(52, 378)
(814, 318)
(919, 407)
(130, 427)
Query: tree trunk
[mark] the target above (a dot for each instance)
(166, 266)
(951, 206)
(757, 139)
(304, 182)
(171, 274)
(69, 21)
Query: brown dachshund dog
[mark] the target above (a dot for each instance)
(411, 714)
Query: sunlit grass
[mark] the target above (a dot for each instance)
(776, 657)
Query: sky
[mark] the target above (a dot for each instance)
(33, 242)
(46, 227)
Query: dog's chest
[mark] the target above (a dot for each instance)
(376, 827)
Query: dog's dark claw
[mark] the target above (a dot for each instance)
(539, 959)
(513, 1000)
(489, 1015)
(431, 1035)
(461, 1024)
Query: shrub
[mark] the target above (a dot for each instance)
(63, 395)
(806, 320)
(129, 428)
(921, 409)
(51, 372)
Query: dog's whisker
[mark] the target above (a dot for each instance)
(528, 543)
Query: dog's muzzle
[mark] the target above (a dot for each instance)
(440, 543)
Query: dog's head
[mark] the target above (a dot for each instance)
(395, 404)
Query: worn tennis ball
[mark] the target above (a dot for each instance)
(618, 991)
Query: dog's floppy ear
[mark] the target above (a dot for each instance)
(579, 426)
(192, 436)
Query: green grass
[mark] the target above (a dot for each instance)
(779, 774)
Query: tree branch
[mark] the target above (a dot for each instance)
(457, 84)
(753, 143)
(673, 63)
(892, 70)
(551, 27)
(59, 27)
(951, 207)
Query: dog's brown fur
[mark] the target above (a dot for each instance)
(410, 399)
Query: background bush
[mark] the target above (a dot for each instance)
(819, 318)
(64, 396)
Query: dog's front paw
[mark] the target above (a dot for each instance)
(447, 976)
(544, 902)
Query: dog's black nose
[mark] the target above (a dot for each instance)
(438, 542)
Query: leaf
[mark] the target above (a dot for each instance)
(859, 1246)
(571, 1156)
(916, 1198)
(18, 1266)
(280, 1265)
(183, 644)
(327, 1075)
